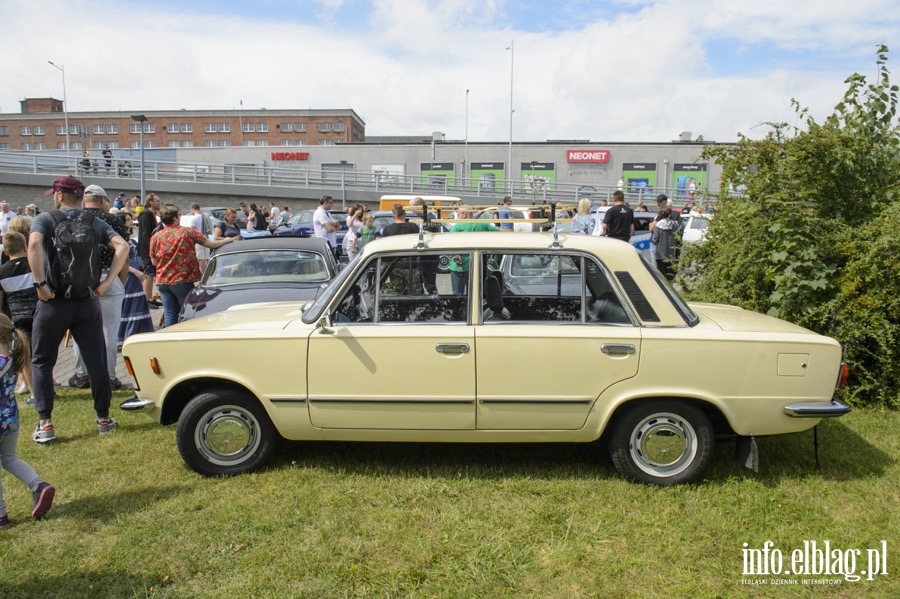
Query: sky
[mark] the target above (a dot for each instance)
(482, 70)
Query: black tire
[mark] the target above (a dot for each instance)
(224, 432)
(662, 442)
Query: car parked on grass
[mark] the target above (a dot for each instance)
(375, 358)
(264, 269)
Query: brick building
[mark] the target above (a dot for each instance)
(41, 125)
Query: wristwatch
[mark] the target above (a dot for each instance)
(38, 285)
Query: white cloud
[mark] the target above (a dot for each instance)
(640, 75)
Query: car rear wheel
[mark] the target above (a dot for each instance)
(222, 431)
(662, 442)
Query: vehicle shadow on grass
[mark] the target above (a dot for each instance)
(843, 455)
(88, 584)
(471, 460)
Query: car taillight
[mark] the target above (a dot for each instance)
(843, 375)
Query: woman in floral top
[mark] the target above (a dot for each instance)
(14, 356)
(173, 254)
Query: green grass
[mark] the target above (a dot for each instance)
(415, 520)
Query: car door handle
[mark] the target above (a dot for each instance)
(617, 349)
(452, 349)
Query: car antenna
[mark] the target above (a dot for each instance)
(556, 245)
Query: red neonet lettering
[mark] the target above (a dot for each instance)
(290, 155)
(599, 156)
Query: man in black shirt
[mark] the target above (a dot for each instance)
(618, 222)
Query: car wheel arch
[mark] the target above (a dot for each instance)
(711, 409)
(180, 394)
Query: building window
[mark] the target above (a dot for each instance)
(324, 127)
(98, 145)
(61, 145)
(40, 146)
(4, 130)
(224, 143)
(27, 146)
(247, 128)
(173, 143)
(4, 146)
(210, 143)
(25, 130)
(172, 128)
(74, 130)
(326, 142)
(149, 128)
(262, 127)
(98, 129)
(149, 144)
(187, 144)
(285, 127)
(337, 127)
(249, 143)
(299, 127)
(136, 145)
(113, 145)
(299, 142)
(210, 128)
(224, 128)
(187, 128)
(77, 145)
(134, 128)
(262, 142)
(38, 130)
(112, 129)
(60, 129)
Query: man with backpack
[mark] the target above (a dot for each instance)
(65, 263)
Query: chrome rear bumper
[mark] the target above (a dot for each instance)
(817, 410)
(136, 404)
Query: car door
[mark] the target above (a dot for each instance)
(395, 358)
(563, 337)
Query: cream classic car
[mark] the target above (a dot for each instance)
(359, 363)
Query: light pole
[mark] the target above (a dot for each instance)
(534, 163)
(466, 150)
(141, 119)
(62, 69)
(512, 55)
(343, 186)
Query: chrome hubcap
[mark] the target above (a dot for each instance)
(227, 435)
(663, 444)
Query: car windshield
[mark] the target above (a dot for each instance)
(265, 266)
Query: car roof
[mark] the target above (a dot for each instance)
(277, 242)
(502, 241)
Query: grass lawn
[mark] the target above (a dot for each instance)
(416, 520)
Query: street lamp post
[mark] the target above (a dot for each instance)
(343, 186)
(62, 69)
(512, 54)
(466, 150)
(141, 119)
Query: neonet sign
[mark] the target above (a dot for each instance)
(598, 156)
(290, 155)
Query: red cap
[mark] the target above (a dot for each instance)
(65, 183)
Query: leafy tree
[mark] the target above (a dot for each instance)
(814, 235)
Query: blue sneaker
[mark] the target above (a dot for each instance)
(106, 425)
(43, 434)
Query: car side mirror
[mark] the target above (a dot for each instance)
(325, 325)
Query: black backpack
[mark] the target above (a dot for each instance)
(75, 258)
(260, 224)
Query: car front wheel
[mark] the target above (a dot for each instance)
(662, 442)
(222, 431)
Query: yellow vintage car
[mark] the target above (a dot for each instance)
(375, 358)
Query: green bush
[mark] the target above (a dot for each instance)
(813, 237)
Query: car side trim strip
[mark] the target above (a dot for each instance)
(531, 402)
(287, 399)
(400, 401)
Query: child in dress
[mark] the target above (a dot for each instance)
(14, 356)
